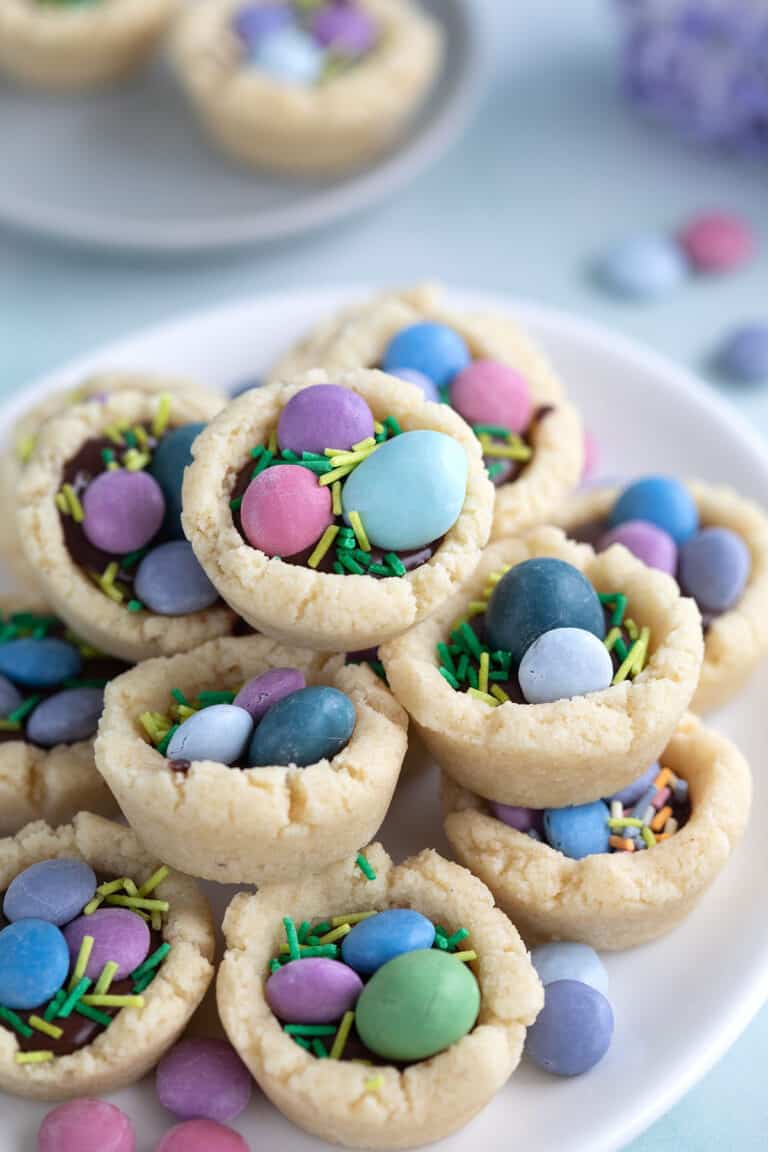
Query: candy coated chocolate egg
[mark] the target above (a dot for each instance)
(52, 890)
(325, 416)
(42, 663)
(717, 242)
(564, 663)
(578, 831)
(66, 717)
(714, 568)
(573, 1031)
(118, 934)
(345, 29)
(253, 22)
(744, 355)
(488, 392)
(660, 500)
(303, 728)
(172, 455)
(630, 795)
(288, 55)
(417, 1005)
(219, 733)
(317, 990)
(285, 510)
(651, 544)
(410, 491)
(10, 697)
(260, 693)
(202, 1136)
(34, 962)
(123, 510)
(521, 819)
(536, 596)
(86, 1126)
(567, 961)
(377, 940)
(203, 1078)
(642, 268)
(171, 582)
(412, 376)
(434, 349)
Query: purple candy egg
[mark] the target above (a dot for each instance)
(255, 21)
(521, 819)
(313, 991)
(345, 29)
(573, 1031)
(118, 935)
(123, 510)
(203, 1079)
(325, 416)
(652, 545)
(714, 568)
(260, 693)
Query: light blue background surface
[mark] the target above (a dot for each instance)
(553, 169)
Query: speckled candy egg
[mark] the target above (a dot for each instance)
(66, 717)
(488, 392)
(288, 55)
(260, 693)
(563, 663)
(434, 349)
(317, 990)
(642, 268)
(377, 940)
(202, 1136)
(573, 1031)
(123, 510)
(659, 500)
(203, 1078)
(171, 582)
(311, 725)
(563, 960)
(285, 510)
(172, 455)
(118, 934)
(39, 663)
(521, 819)
(578, 831)
(325, 416)
(34, 962)
(219, 733)
(714, 568)
(86, 1126)
(52, 890)
(651, 544)
(344, 29)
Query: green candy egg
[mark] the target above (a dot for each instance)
(417, 1005)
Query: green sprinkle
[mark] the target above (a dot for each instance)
(107, 455)
(490, 430)
(304, 930)
(621, 649)
(457, 937)
(179, 696)
(393, 426)
(337, 568)
(329, 950)
(365, 867)
(291, 938)
(151, 962)
(495, 468)
(378, 668)
(264, 462)
(310, 1029)
(314, 456)
(132, 558)
(319, 467)
(95, 682)
(395, 563)
(302, 1043)
(141, 985)
(441, 943)
(23, 710)
(235, 504)
(162, 747)
(15, 1022)
(446, 659)
(71, 1000)
(469, 636)
(319, 1049)
(257, 451)
(322, 928)
(449, 677)
(350, 564)
(52, 1011)
(135, 606)
(205, 699)
(291, 457)
(274, 966)
(463, 667)
(345, 544)
(93, 1014)
(363, 558)
(472, 675)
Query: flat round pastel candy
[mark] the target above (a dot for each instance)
(563, 960)
(253, 22)
(630, 795)
(434, 349)
(202, 1136)
(219, 733)
(52, 890)
(317, 990)
(744, 354)
(260, 693)
(118, 934)
(345, 29)
(717, 242)
(285, 510)
(421, 381)
(660, 500)
(39, 663)
(573, 1031)
(714, 568)
(172, 455)
(651, 544)
(34, 963)
(579, 831)
(563, 663)
(417, 1005)
(410, 491)
(642, 268)
(488, 392)
(66, 717)
(171, 582)
(86, 1126)
(325, 416)
(123, 510)
(303, 728)
(536, 596)
(203, 1078)
(289, 55)
(521, 819)
(377, 940)
(10, 697)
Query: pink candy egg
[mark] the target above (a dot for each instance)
(487, 392)
(285, 510)
(202, 1136)
(86, 1126)
(123, 510)
(652, 545)
(718, 242)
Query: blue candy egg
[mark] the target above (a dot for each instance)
(219, 733)
(171, 582)
(289, 55)
(642, 268)
(573, 1031)
(661, 500)
(172, 455)
(435, 350)
(421, 381)
(578, 831)
(630, 795)
(714, 567)
(744, 355)
(410, 491)
(34, 963)
(563, 663)
(42, 663)
(566, 961)
(52, 890)
(10, 697)
(303, 728)
(67, 717)
(537, 596)
(380, 938)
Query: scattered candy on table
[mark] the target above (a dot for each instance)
(203, 1079)
(573, 1031)
(718, 242)
(566, 961)
(643, 268)
(743, 356)
(202, 1136)
(86, 1126)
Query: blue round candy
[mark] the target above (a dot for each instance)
(630, 795)
(661, 500)
(10, 697)
(380, 938)
(578, 831)
(34, 963)
(219, 733)
(642, 268)
(536, 596)
(744, 355)
(303, 728)
(52, 890)
(39, 663)
(435, 350)
(564, 663)
(421, 381)
(171, 582)
(289, 55)
(172, 455)
(66, 717)
(573, 1031)
(713, 567)
(567, 961)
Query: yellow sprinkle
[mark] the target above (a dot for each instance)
(353, 918)
(465, 956)
(113, 433)
(475, 607)
(113, 466)
(482, 677)
(157, 921)
(272, 442)
(162, 414)
(336, 474)
(106, 978)
(378, 427)
(323, 545)
(348, 459)
(141, 435)
(499, 693)
(336, 934)
(627, 666)
(154, 881)
(484, 696)
(41, 1025)
(373, 1083)
(73, 501)
(359, 531)
(512, 451)
(341, 1037)
(114, 1001)
(112, 886)
(83, 957)
(134, 461)
(641, 651)
(632, 629)
(93, 905)
(61, 504)
(139, 902)
(33, 1057)
(184, 711)
(361, 445)
(25, 446)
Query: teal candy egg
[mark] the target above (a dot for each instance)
(410, 491)
(172, 455)
(309, 725)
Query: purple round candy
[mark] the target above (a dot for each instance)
(118, 934)
(345, 29)
(652, 545)
(10, 697)
(630, 795)
(325, 416)
(573, 1031)
(203, 1079)
(521, 819)
(313, 991)
(260, 693)
(255, 21)
(123, 510)
(714, 569)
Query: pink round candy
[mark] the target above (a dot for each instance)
(123, 510)
(285, 510)
(717, 242)
(202, 1136)
(118, 934)
(652, 545)
(260, 693)
(487, 392)
(86, 1126)
(325, 416)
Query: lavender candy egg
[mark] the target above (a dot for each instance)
(52, 890)
(123, 511)
(521, 819)
(630, 795)
(345, 29)
(427, 386)
(253, 22)
(10, 697)
(202, 1078)
(260, 693)
(171, 582)
(66, 718)
(118, 935)
(219, 733)
(714, 568)
(652, 545)
(325, 416)
(573, 1031)
(563, 663)
(313, 991)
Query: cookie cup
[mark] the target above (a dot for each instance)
(294, 603)
(331, 1099)
(279, 822)
(137, 1037)
(572, 751)
(619, 900)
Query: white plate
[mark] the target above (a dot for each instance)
(128, 167)
(679, 1003)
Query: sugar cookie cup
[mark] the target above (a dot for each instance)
(137, 1037)
(74, 595)
(60, 47)
(571, 751)
(620, 900)
(736, 641)
(294, 603)
(331, 1098)
(279, 821)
